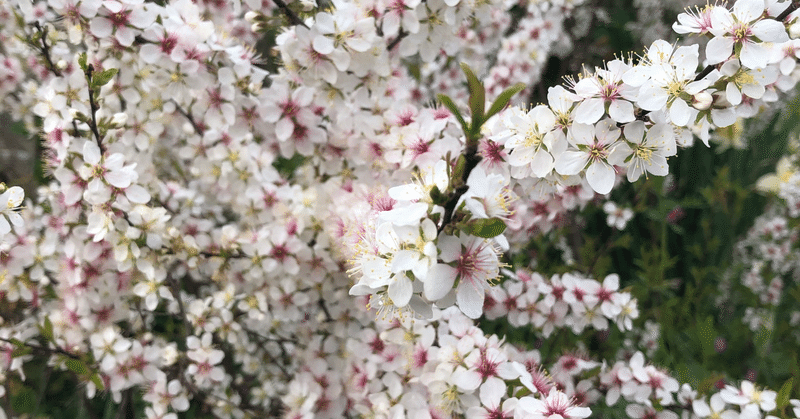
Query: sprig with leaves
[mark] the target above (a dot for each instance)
(472, 134)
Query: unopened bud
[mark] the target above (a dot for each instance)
(251, 16)
(61, 64)
(256, 27)
(119, 119)
(794, 31)
(702, 101)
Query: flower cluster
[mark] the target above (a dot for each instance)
(204, 205)
(567, 300)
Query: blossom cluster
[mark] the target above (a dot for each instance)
(567, 300)
(204, 206)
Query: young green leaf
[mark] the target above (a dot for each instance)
(451, 106)
(82, 61)
(77, 366)
(477, 97)
(783, 396)
(47, 330)
(503, 98)
(102, 78)
(486, 227)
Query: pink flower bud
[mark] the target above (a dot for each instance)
(702, 101)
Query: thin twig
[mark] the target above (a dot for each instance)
(43, 349)
(290, 14)
(46, 50)
(402, 34)
(789, 10)
(197, 128)
(472, 159)
(94, 106)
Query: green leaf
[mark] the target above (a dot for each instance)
(451, 106)
(437, 196)
(97, 382)
(82, 61)
(47, 330)
(783, 395)
(706, 335)
(24, 401)
(486, 227)
(102, 78)
(77, 366)
(762, 340)
(458, 170)
(503, 98)
(22, 351)
(477, 97)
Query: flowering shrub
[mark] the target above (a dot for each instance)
(308, 234)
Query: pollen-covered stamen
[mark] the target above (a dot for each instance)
(610, 92)
(476, 262)
(674, 89)
(743, 78)
(557, 406)
(643, 153)
(168, 43)
(598, 152)
(532, 138)
(740, 32)
(419, 147)
(289, 108)
(120, 19)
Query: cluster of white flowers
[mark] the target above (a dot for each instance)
(202, 210)
(567, 300)
(10, 200)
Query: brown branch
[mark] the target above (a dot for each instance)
(197, 128)
(472, 159)
(289, 13)
(789, 10)
(402, 34)
(94, 106)
(46, 50)
(43, 349)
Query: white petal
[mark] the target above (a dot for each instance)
(137, 194)
(769, 30)
(439, 282)
(733, 94)
(15, 196)
(101, 27)
(470, 298)
(400, 290)
(91, 152)
(718, 49)
(571, 162)
(621, 111)
(589, 111)
(753, 55)
(679, 113)
(600, 177)
(748, 10)
(542, 163)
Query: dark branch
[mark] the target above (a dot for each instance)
(43, 349)
(397, 40)
(789, 10)
(289, 13)
(93, 104)
(46, 50)
(197, 128)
